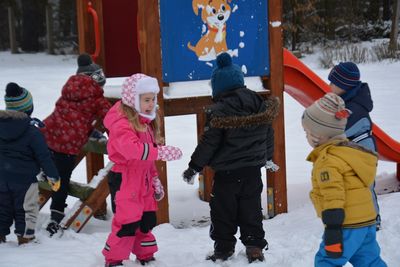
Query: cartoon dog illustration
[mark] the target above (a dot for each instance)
(214, 14)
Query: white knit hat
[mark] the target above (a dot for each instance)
(136, 85)
(327, 116)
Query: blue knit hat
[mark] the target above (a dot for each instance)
(226, 76)
(345, 75)
(18, 99)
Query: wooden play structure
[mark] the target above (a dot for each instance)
(124, 37)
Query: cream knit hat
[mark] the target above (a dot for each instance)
(326, 117)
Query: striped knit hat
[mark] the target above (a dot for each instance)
(327, 116)
(18, 99)
(345, 75)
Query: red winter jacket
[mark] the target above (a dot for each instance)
(69, 126)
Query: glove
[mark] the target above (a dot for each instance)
(158, 189)
(271, 166)
(97, 136)
(188, 175)
(168, 153)
(41, 177)
(54, 183)
(333, 236)
(333, 239)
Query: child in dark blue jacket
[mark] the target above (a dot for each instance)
(345, 82)
(23, 153)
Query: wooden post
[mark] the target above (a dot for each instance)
(276, 182)
(86, 29)
(150, 56)
(207, 175)
(11, 26)
(94, 163)
(49, 28)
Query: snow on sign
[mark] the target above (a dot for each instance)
(193, 32)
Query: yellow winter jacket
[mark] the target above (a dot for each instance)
(342, 178)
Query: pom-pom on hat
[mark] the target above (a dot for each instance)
(326, 117)
(18, 99)
(345, 75)
(86, 66)
(136, 85)
(226, 76)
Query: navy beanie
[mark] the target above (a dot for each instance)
(18, 99)
(86, 66)
(226, 76)
(345, 75)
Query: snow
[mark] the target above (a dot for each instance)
(293, 237)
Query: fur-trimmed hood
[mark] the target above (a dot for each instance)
(13, 124)
(244, 111)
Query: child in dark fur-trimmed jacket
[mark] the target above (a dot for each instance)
(237, 142)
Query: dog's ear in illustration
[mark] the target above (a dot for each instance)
(197, 4)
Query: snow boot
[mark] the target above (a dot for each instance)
(3, 239)
(254, 254)
(24, 240)
(218, 255)
(145, 261)
(53, 227)
(113, 264)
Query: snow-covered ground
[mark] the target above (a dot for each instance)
(293, 237)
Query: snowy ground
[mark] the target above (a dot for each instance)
(293, 237)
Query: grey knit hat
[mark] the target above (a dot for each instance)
(327, 116)
(86, 66)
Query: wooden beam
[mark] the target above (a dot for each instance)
(150, 58)
(277, 181)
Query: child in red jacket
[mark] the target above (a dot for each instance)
(69, 126)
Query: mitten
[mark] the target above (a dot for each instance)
(271, 166)
(188, 175)
(168, 153)
(97, 136)
(41, 177)
(333, 236)
(54, 183)
(158, 189)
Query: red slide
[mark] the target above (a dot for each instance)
(305, 86)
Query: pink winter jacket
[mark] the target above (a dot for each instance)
(134, 154)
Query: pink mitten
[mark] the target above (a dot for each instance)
(158, 189)
(167, 153)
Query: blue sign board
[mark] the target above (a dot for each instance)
(193, 32)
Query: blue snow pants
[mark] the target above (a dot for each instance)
(360, 248)
(19, 204)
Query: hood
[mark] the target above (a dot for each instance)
(363, 97)
(13, 124)
(80, 87)
(361, 160)
(243, 108)
(113, 115)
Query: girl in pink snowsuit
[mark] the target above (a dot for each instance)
(134, 144)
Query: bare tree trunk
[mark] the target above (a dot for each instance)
(395, 26)
(11, 23)
(49, 27)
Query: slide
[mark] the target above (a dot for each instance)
(305, 87)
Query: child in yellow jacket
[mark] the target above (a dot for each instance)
(342, 175)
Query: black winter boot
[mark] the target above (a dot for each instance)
(145, 261)
(113, 264)
(218, 255)
(254, 254)
(53, 227)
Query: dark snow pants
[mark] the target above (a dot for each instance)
(236, 202)
(19, 204)
(65, 164)
(114, 183)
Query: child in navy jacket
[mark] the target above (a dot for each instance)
(23, 153)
